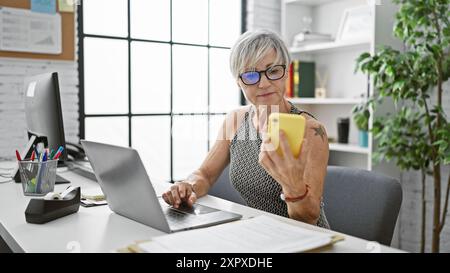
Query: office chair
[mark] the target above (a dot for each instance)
(357, 202)
(223, 188)
(361, 203)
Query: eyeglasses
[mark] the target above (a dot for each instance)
(273, 73)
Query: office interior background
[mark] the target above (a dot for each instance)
(154, 75)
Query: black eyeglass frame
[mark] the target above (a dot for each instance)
(265, 73)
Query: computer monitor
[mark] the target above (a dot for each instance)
(43, 110)
(44, 119)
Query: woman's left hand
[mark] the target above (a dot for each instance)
(287, 170)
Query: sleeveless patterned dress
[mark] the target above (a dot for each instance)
(250, 179)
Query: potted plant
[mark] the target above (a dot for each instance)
(417, 133)
(361, 115)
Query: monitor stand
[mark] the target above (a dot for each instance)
(60, 179)
(81, 168)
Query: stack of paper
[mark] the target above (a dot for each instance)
(93, 194)
(259, 234)
(92, 197)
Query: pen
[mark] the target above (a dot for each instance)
(52, 153)
(44, 158)
(33, 154)
(58, 153)
(18, 156)
(39, 150)
(41, 156)
(40, 172)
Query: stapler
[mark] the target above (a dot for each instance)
(53, 206)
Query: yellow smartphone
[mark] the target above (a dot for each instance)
(293, 126)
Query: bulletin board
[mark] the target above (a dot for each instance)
(67, 38)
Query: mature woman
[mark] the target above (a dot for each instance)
(259, 62)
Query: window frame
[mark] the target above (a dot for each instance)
(129, 39)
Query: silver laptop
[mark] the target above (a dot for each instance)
(129, 192)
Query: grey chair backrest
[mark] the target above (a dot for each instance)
(361, 203)
(223, 189)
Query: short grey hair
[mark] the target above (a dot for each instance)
(253, 46)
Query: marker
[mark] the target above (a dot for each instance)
(52, 153)
(18, 156)
(59, 152)
(44, 158)
(33, 155)
(41, 169)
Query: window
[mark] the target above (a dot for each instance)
(154, 76)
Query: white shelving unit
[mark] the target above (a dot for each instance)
(338, 147)
(336, 60)
(330, 46)
(332, 101)
(309, 2)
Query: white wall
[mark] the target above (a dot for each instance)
(264, 14)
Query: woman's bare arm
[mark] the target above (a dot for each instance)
(219, 156)
(308, 210)
(201, 180)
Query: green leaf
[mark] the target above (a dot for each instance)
(399, 85)
(446, 31)
(363, 56)
(390, 71)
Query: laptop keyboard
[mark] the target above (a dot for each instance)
(178, 219)
(186, 216)
(175, 216)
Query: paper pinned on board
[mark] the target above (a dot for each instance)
(25, 31)
(67, 5)
(44, 6)
(259, 234)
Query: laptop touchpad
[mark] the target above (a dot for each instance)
(195, 209)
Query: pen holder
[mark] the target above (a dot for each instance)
(38, 178)
(40, 211)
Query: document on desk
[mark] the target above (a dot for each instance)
(93, 197)
(258, 234)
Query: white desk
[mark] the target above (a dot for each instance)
(98, 229)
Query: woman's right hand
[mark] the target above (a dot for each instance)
(180, 192)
